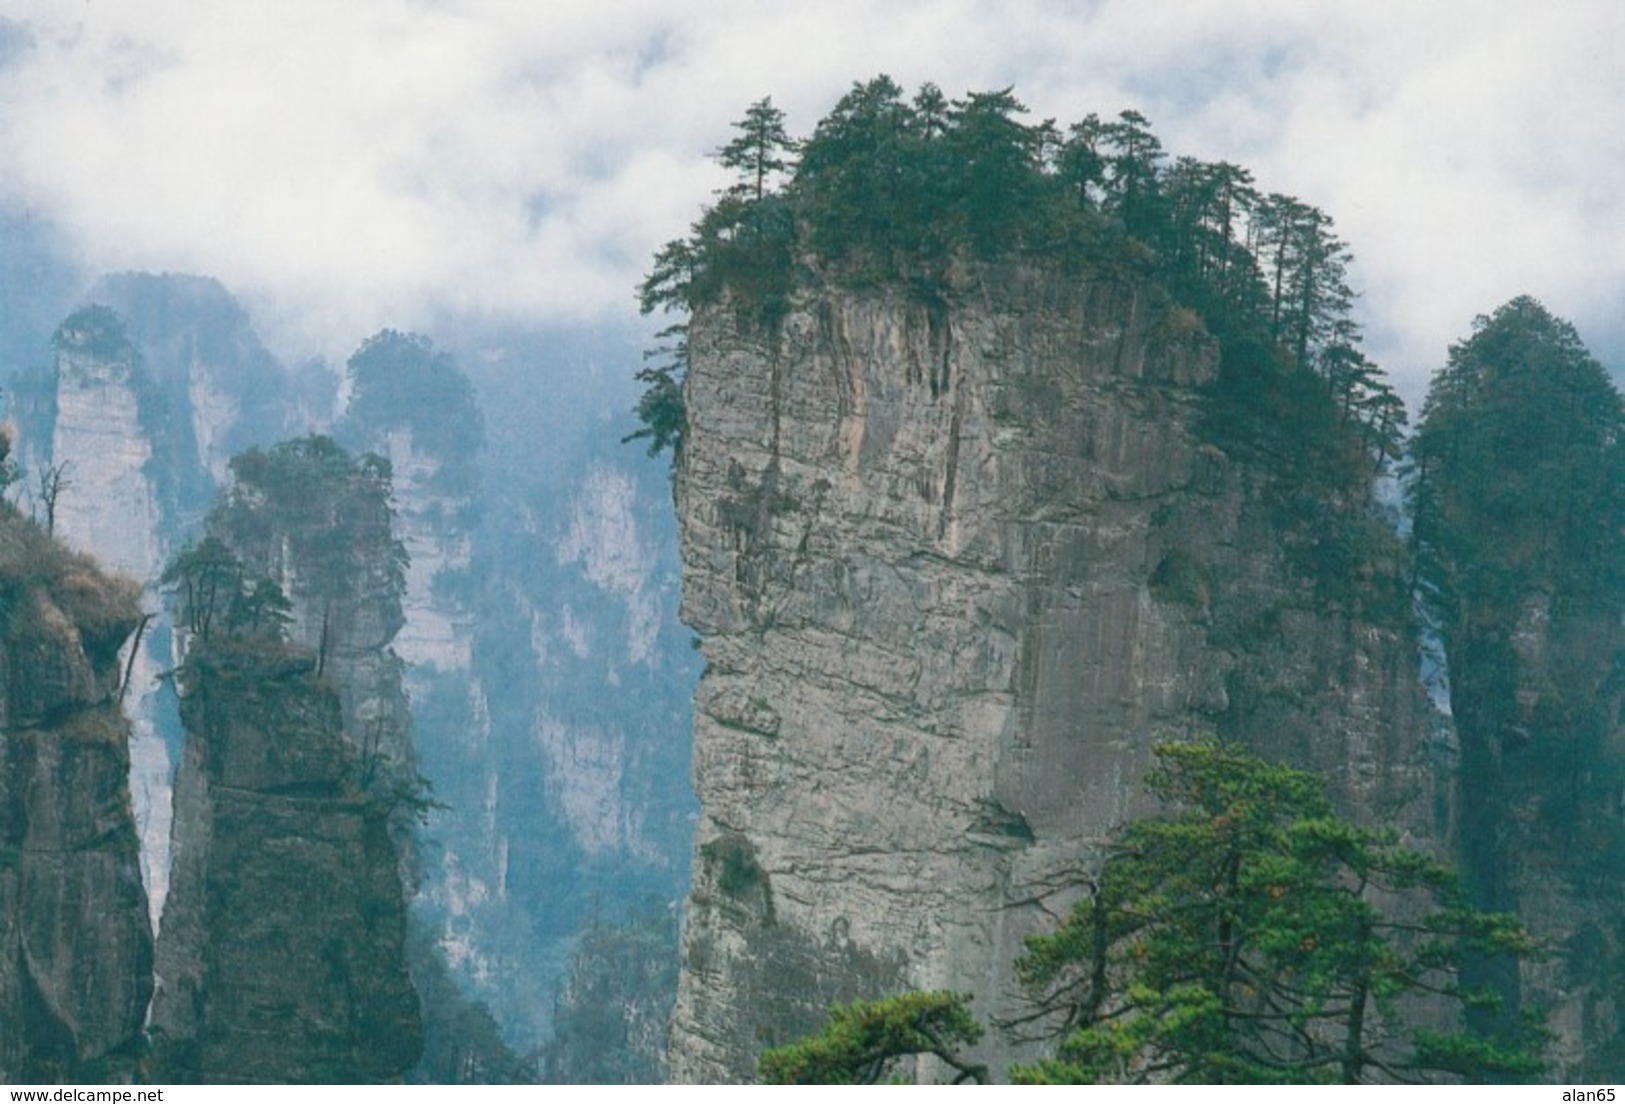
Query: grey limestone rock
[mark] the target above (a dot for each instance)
(957, 566)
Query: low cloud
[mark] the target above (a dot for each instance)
(387, 161)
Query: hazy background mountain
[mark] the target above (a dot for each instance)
(558, 741)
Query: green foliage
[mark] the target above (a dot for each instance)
(9, 471)
(213, 591)
(1253, 937)
(889, 189)
(661, 408)
(737, 870)
(867, 1041)
(1519, 498)
(207, 580)
(95, 330)
(333, 509)
(401, 380)
(1250, 936)
(462, 1044)
(611, 1009)
(1521, 469)
(761, 150)
(1519, 504)
(261, 607)
(324, 500)
(1180, 578)
(104, 608)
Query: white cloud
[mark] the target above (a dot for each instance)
(383, 160)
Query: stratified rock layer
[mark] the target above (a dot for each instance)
(957, 567)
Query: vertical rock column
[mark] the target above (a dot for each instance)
(282, 956)
(916, 544)
(957, 568)
(110, 508)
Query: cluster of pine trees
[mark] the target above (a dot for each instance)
(897, 190)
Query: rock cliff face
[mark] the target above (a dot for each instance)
(282, 957)
(283, 951)
(538, 642)
(435, 523)
(956, 568)
(112, 505)
(614, 805)
(1540, 824)
(588, 672)
(75, 944)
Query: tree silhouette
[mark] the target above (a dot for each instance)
(761, 150)
(53, 481)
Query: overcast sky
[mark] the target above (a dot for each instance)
(347, 166)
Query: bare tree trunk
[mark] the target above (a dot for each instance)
(135, 648)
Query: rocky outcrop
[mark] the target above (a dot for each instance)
(1520, 495)
(283, 954)
(318, 522)
(957, 565)
(149, 392)
(211, 389)
(283, 951)
(75, 944)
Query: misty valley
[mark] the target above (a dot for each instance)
(991, 621)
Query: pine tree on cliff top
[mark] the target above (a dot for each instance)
(761, 150)
(900, 191)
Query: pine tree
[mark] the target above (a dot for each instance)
(1252, 936)
(867, 1042)
(762, 149)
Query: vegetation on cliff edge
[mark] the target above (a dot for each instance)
(922, 194)
(899, 191)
